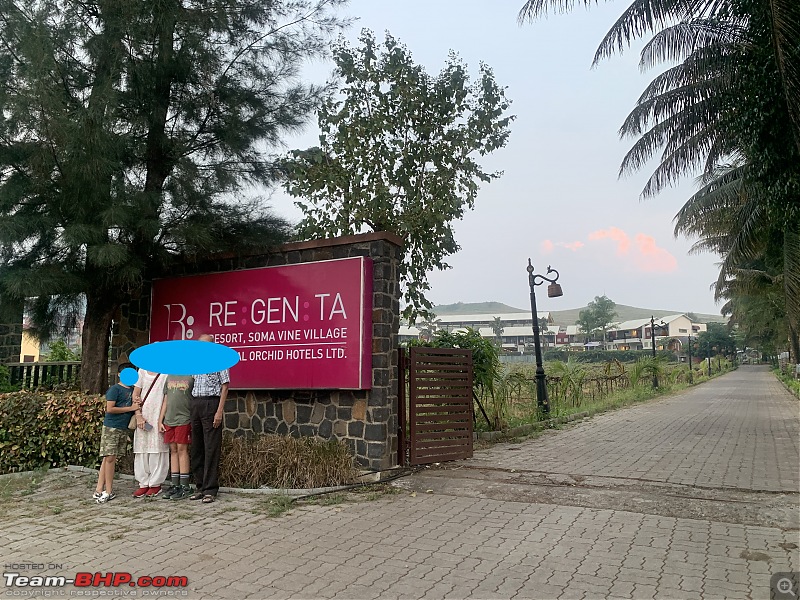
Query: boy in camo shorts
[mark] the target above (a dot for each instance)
(114, 438)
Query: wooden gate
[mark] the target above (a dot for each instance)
(440, 411)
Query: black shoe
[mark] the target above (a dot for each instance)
(182, 492)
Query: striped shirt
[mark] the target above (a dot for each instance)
(210, 384)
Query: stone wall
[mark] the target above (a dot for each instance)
(365, 419)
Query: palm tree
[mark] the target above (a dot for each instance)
(543, 324)
(760, 253)
(730, 107)
(428, 327)
(680, 24)
(497, 328)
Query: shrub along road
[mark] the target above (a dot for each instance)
(691, 496)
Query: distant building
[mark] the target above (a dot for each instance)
(518, 332)
(522, 319)
(32, 350)
(636, 334)
(516, 326)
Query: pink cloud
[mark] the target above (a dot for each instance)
(547, 247)
(574, 246)
(616, 234)
(651, 258)
(644, 256)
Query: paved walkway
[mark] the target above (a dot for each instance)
(739, 431)
(734, 435)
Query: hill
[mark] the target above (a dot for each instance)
(628, 313)
(563, 317)
(475, 308)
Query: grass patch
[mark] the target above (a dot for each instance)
(20, 485)
(366, 493)
(274, 506)
(589, 396)
(285, 462)
(786, 375)
(279, 504)
(326, 500)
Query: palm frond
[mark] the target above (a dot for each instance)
(648, 16)
(785, 25)
(533, 9)
(678, 42)
(712, 203)
(791, 271)
(684, 150)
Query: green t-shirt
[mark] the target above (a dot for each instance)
(179, 391)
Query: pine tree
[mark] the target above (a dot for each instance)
(128, 132)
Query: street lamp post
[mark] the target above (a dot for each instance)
(553, 291)
(653, 344)
(691, 377)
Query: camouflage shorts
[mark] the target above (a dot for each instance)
(114, 442)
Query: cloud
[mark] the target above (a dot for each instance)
(642, 254)
(574, 246)
(652, 259)
(548, 246)
(616, 234)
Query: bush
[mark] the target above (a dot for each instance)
(285, 462)
(42, 429)
(5, 380)
(59, 351)
(485, 363)
(787, 375)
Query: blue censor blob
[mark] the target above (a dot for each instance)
(184, 357)
(128, 376)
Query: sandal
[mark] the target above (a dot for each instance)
(208, 499)
(197, 496)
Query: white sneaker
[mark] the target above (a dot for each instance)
(97, 495)
(105, 497)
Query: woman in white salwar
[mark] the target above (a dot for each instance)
(150, 453)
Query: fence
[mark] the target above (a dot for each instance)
(30, 375)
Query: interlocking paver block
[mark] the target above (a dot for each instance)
(439, 545)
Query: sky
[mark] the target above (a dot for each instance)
(560, 201)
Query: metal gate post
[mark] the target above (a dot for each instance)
(402, 407)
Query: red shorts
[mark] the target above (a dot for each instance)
(179, 434)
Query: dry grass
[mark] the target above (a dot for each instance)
(285, 462)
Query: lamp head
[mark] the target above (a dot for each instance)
(554, 290)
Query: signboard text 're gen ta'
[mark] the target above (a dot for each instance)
(304, 326)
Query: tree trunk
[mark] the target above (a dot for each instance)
(96, 342)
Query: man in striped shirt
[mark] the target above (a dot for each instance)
(207, 410)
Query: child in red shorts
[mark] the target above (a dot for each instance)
(175, 422)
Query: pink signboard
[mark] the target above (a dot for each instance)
(304, 326)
